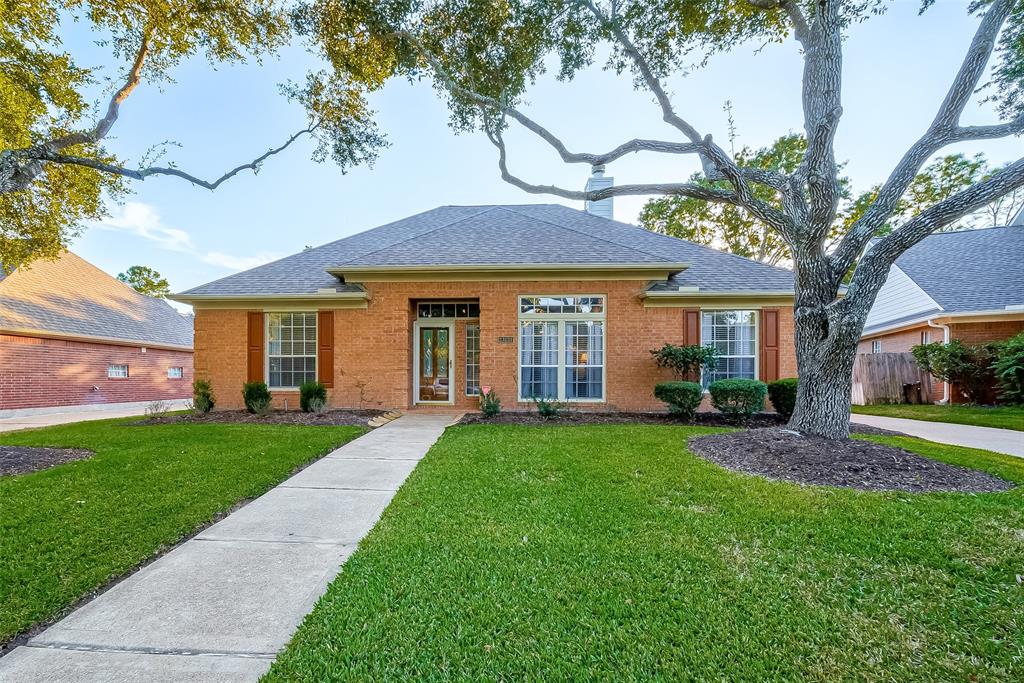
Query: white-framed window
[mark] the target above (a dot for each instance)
(925, 337)
(473, 359)
(562, 347)
(291, 349)
(175, 373)
(876, 346)
(733, 334)
(117, 372)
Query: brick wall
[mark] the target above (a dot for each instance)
(38, 373)
(373, 346)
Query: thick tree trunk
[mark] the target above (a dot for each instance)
(826, 346)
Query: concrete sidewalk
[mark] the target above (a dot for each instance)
(220, 606)
(988, 438)
(32, 419)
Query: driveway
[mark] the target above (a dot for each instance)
(32, 419)
(988, 438)
(221, 606)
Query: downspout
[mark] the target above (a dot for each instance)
(945, 340)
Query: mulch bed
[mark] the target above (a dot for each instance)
(25, 459)
(589, 418)
(278, 417)
(854, 463)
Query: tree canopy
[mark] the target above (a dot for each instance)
(56, 173)
(145, 280)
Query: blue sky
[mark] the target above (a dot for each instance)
(897, 69)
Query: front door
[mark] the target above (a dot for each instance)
(434, 364)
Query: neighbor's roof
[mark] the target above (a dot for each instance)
(970, 270)
(525, 234)
(71, 297)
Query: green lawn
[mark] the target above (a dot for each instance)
(1002, 417)
(68, 530)
(612, 553)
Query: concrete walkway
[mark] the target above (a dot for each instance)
(32, 419)
(999, 440)
(220, 606)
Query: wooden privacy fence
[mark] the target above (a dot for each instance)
(889, 378)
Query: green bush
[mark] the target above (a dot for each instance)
(309, 391)
(685, 361)
(256, 397)
(547, 408)
(738, 397)
(203, 399)
(783, 395)
(968, 367)
(490, 404)
(682, 397)
(1009, 369)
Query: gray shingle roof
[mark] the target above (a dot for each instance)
(971, 270)
(73, 297)
(529, 234)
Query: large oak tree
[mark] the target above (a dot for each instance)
(483, 56)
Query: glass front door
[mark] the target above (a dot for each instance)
(434, 365)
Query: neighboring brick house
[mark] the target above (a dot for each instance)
(71, 335)
(966, 285)
(530, 300)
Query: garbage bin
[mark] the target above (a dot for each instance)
(912, 393)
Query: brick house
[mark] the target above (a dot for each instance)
(966, 285)
(71, 336)
(529, 300)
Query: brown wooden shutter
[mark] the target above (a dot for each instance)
(691, 326)
(325, 347)
(255, 360)
(769, 344)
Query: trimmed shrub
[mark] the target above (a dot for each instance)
(968, 367)
(682, 397)
(547, 408)
(783, 395)
(738, 397)
(685, 361)
(203, 399)
(490, 404)
(256, 397)
(1009, 369)
(312, 390)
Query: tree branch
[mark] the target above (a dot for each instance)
(143, 173)
(1001, 130)
(942, 131)
(874, 267)
(684, 189)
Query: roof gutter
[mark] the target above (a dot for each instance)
(332, 295)
(507, 271)
(94, 339)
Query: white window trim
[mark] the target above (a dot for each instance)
(266, 345)
(180, 375)
(127, 371)
(561, 319)
(757, 338)
(876, 346)
(473, 322)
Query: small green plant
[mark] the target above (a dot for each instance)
(783, 395)
(968, 367)
(309, 391)
(490, 404)
(685, 361)
(158, 408)
(548, 408)
(317, 406)
(1009, 369)
(682, 398)
(256, 396)
(739, 398)
(203, 399)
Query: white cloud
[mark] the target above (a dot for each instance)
(143, 220)
(230, 262)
